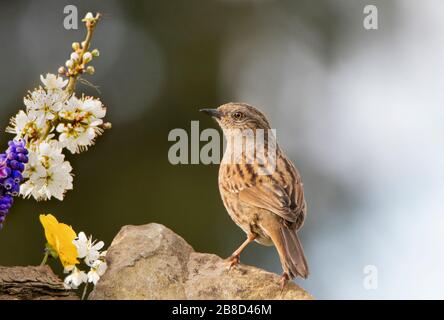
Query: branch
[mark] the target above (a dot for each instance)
(78, 67)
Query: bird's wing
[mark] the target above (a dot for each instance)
(272, 197)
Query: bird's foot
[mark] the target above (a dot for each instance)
(284, 279)
(233, 261)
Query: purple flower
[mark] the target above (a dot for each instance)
(12, 165)
(3, 169)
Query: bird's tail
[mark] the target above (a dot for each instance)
(294, 258)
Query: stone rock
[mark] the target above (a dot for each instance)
(32, 283)
(152, 262)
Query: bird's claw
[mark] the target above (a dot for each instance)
(233, 261)
(284, 279)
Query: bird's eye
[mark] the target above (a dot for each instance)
(237, 115)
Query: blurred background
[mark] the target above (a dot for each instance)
(360, 112)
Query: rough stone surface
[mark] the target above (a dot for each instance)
(32, 283)
(152, 262)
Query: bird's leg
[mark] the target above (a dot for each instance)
(284, 279)
(234, 258)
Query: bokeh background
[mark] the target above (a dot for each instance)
(360, 112)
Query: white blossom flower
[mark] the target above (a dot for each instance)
(76, 278)
(97, 270)
(82, 125)
(75, 138)
(53, 183)
(57, 181)
(88, 249)
(33, 174)
(71, 109)
(95, 108)
(50, 154)
(24, 125)
(44, 105)
(47, 174)
(53, 119)
(53, 82)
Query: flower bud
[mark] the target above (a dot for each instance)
(61, 70)
(75, 56)
(22, 158)
(69, 63)
(15, 190)
(95, 53)
(8, 183)
(87, 57)
(83, 44)
(17, 176)
(90, 70)
(75, 46)
(89, 16)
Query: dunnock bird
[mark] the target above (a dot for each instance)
(264, 197)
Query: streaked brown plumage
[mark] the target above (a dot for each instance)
(268, 205)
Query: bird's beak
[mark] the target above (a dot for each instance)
(212, 112)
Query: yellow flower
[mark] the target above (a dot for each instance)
(60, 240)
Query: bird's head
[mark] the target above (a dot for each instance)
(238, 116)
